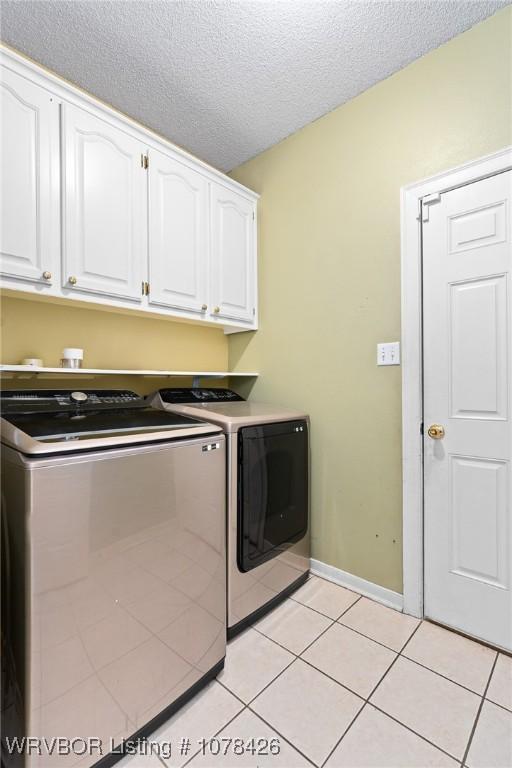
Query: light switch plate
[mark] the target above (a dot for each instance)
(388, 353)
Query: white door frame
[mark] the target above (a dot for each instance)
(412, 358)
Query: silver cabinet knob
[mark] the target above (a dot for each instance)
(47, 275)
(72, 280)
(204, 307)
(216, 310)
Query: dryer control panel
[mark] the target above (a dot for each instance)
(199, 395)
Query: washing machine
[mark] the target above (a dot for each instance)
(268, 539)
(113, 571)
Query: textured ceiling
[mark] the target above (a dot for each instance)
(227, 79)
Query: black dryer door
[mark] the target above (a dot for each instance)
(273, 490)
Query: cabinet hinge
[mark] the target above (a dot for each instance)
(144, 161)
(426, 202)
(145, 288)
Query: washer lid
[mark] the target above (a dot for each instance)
(35, 426)
(78, 425)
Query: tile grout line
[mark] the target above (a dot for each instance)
(296, 658)
(440, 674)
(366, 700)
(357, 595)
(477, 717)
(214, 735)
(347, 729)
(501, 706)
(433, 744)
(361, 594)
(325, 615)
(297, 655)
(333, 622)
(404, 646)
(399, 654)
(347, 626)
(272, 681)
(257, 714)
(369, 703)
(416, 733)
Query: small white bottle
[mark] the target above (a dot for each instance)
(72, 357)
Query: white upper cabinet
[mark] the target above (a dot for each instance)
(178, 235)
(29, 172)
(233, 263)
(104, 207)
(97, 208)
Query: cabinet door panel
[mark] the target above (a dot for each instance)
(178, 234)
(29, 235)
(233, 289)
(104, 207)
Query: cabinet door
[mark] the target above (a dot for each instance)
(29, 172)
(104, 207)
(233, 274)
(178, 234)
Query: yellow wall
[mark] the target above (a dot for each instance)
(110, 340)
(330, 276)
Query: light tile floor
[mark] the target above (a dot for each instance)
(343, 682)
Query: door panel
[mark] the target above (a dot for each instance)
(479, 510)
(178, 234)
(467, 388)
(475, 229)
(478, 348)
(233, 273)
(29, 234)
(104, 207)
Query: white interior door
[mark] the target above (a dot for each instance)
(467, 391)
(104, 207)
(233, 279)
(178, 235)
(29, 173)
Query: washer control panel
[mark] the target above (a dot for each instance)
(50, 399)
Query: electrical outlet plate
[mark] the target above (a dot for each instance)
(388, 353)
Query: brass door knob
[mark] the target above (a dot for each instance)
(72, 280)
(47, 275)
(216, 310)
(436, 431)
(204, 307)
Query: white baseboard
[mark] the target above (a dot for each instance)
(368, 588)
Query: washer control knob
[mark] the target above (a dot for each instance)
(78, 397)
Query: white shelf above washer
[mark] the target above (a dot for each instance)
(25, 371)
